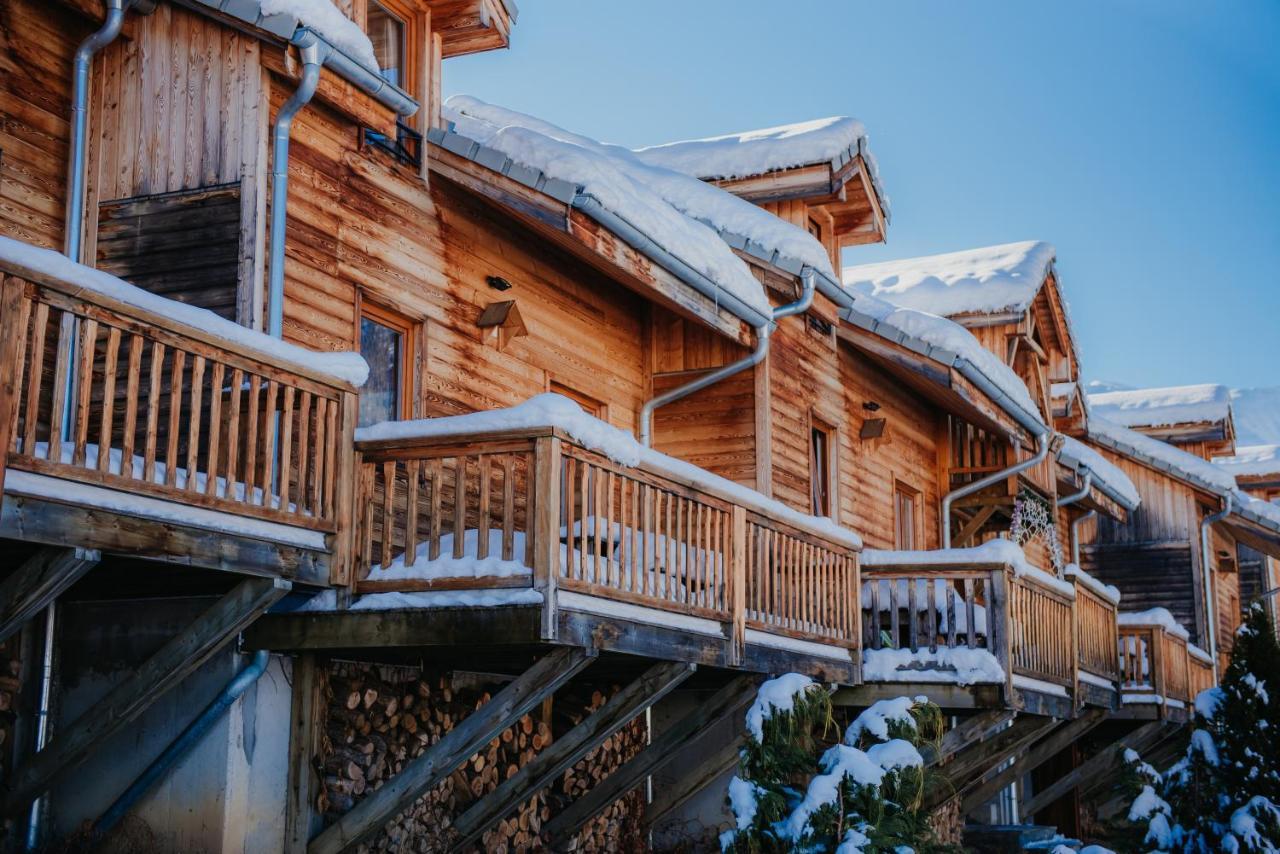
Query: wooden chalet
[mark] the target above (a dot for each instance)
(466, 471)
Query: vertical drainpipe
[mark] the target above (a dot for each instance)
(312, 53)
(1206, 567)
(1072, 499)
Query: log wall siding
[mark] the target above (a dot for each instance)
(1149, 576)
(37, 43)
(908, 451)
(361, 228)
(1168, 510)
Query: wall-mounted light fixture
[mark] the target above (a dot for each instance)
(497, 283)
(502, 322)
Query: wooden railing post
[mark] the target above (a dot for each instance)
(1155, 652)
(545, 530)
(344, 511)
(738, 585)
(999, 626)
(14, 310)
(1075, 647)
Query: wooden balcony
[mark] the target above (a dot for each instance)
(129, 431)
(631, 556)
(1161, 673)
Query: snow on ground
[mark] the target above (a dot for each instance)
(615, 171)
(1108, 476)
(1159, 617)
(553, 410)
(1257, 414)
(24, 259)
(949, 336)
(989, 280)
(1251, 460)
(1162, 407)
(956, 666)
(323, 17)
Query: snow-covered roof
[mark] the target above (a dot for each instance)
(951, 344)
(694, 220)
(1252, 461)
(1163, 407)
(835, 140)
(554, 410)
(19, 257)
(1257, 415)
(991, 280)
(284, 16)
(1107, 477)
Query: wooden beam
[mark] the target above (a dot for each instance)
(459, 744)
(44, 577)
(959, 737)
(1039, 754)
(544, 768)
(416, 627)
(975, 524)
(157, 675)
(306, 711)
(1091, 768)
(949, 697)
(661, 750)
(675, 795)
(978, 759)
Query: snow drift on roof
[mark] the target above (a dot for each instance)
(619, 174)
(323, 17)
(755, 152)
(950, 336)
(1184, 465)
(1252, 460)
(990, 280)
(1162, 407)
(1106, 475)
(346, 367)
(1257, 415)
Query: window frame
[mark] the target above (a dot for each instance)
(590, 404)
(826, 470)
(410, 333)
(901, 490)
(417, 35)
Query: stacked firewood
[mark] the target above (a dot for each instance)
(380, 718)
(948, 823)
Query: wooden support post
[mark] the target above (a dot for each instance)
(999, 636)
(661, 750)
(544, 768)
(455, 747)
(344, 510)
(672, 797)
(978, 759)
(1098, 764)
(174, 662)
(738, 585)
(1040, 753)
(15, 312)
(305, 724)
(546, 529)
(44, 577)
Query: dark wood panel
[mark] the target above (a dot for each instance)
(1148, 576)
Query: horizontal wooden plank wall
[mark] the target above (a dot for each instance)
(1149, 576)
(908, 452)
(1168, 510)
(37, 44)
(361, 228)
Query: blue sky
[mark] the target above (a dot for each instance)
(1141, 138)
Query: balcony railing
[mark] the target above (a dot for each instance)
(1096, 634)
(532, 508)
(105, 392)
(1156, 662)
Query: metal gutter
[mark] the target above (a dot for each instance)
(372, 84)
(1206, 568)
(1100, 482)
(1067, 500)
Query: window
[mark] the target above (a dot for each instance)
(388, 33)
(820, 449)
(905, 512)
(386, 342)
(815, 229)
(590, 405)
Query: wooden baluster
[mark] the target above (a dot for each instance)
(251, 438)
(508, 508)
(482, 532)
(286, 447)
(319, 472)
(459, 506)
(330, 450)
(931, 590)
(412, 470)
(873, 588)
(215, 433)
(433, 538)
(233, 435)
(304, 450)
(177, 371)
(531, 500)
(84, 390)
(951, 614)
(608, 521)
(269, 442)
(646, 550)
(35, 377)
(108, 399)
(61, 377)
(193, 421)
(388, 512)
(132, 378)
(367, 476)
(573, 552)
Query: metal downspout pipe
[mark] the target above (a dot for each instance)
(1042, 451)
(809, 282)
(1072, 499)
(312, 51)
(1206, 567)
(186, 740)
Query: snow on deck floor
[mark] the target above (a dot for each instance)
(956, 666)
